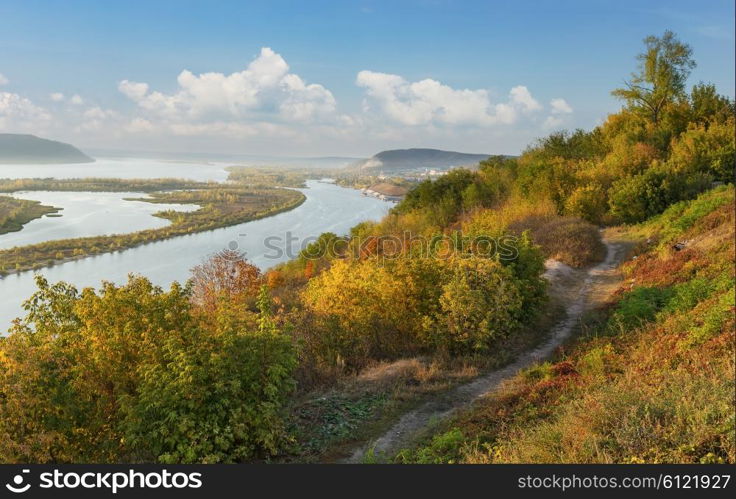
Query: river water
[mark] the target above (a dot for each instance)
(266, 242)
(87, 214)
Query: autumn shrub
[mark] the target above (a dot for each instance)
(224, 276)
(380, 308)
(568, 239)
(588, 202)
(215, 398)
(479, 305)
(708, 148)
(369, 309)
(128, 374)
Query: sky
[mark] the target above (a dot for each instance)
(333, 78)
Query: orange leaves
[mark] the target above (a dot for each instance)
(227, 276)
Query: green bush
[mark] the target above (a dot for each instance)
(634, 199)
(128, 374)
(479, 305)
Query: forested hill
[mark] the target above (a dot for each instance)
(399, 159)
(18, 148)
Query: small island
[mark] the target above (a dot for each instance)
(221, 205)
(15, 213)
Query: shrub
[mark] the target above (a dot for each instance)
(707, 148)
(633, 199)
(588, 202)
(376, 308)
(128, 374)
(568, 239)
(478, 306)
(371, 308)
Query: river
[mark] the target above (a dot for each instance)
(86, 214)
(266, 242)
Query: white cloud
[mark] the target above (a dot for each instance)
(559, 113)
(3, 80)
(265, 105)
(560, 106)
(553, 122)
(264, 92)
(521, 96)
(428, 102)
(132, 90)
(20, 114)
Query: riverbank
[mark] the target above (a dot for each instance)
(221, 206)
(94, 184)
(266, 242)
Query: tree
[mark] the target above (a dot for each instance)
(709, 106)
(226, 275)
(663, 70)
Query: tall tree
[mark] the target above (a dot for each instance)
(663, 70)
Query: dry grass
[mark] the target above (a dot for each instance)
(570, 240)
(651, 382)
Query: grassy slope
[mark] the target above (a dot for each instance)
(651, 379)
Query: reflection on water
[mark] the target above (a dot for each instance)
(88, 214)
(328, 208)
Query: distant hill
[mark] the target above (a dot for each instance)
(17, 148)
(408, 159)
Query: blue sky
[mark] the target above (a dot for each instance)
(343, 78)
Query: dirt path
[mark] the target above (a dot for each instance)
(579, 291)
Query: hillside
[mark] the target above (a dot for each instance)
(651, 378)
(17, 148)
(409, 159)
(573, 304)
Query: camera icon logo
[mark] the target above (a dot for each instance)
(17, 485)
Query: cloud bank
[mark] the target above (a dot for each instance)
(266, 100)
(264, 92)
(429, 101)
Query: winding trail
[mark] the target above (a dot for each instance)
(579, 290)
